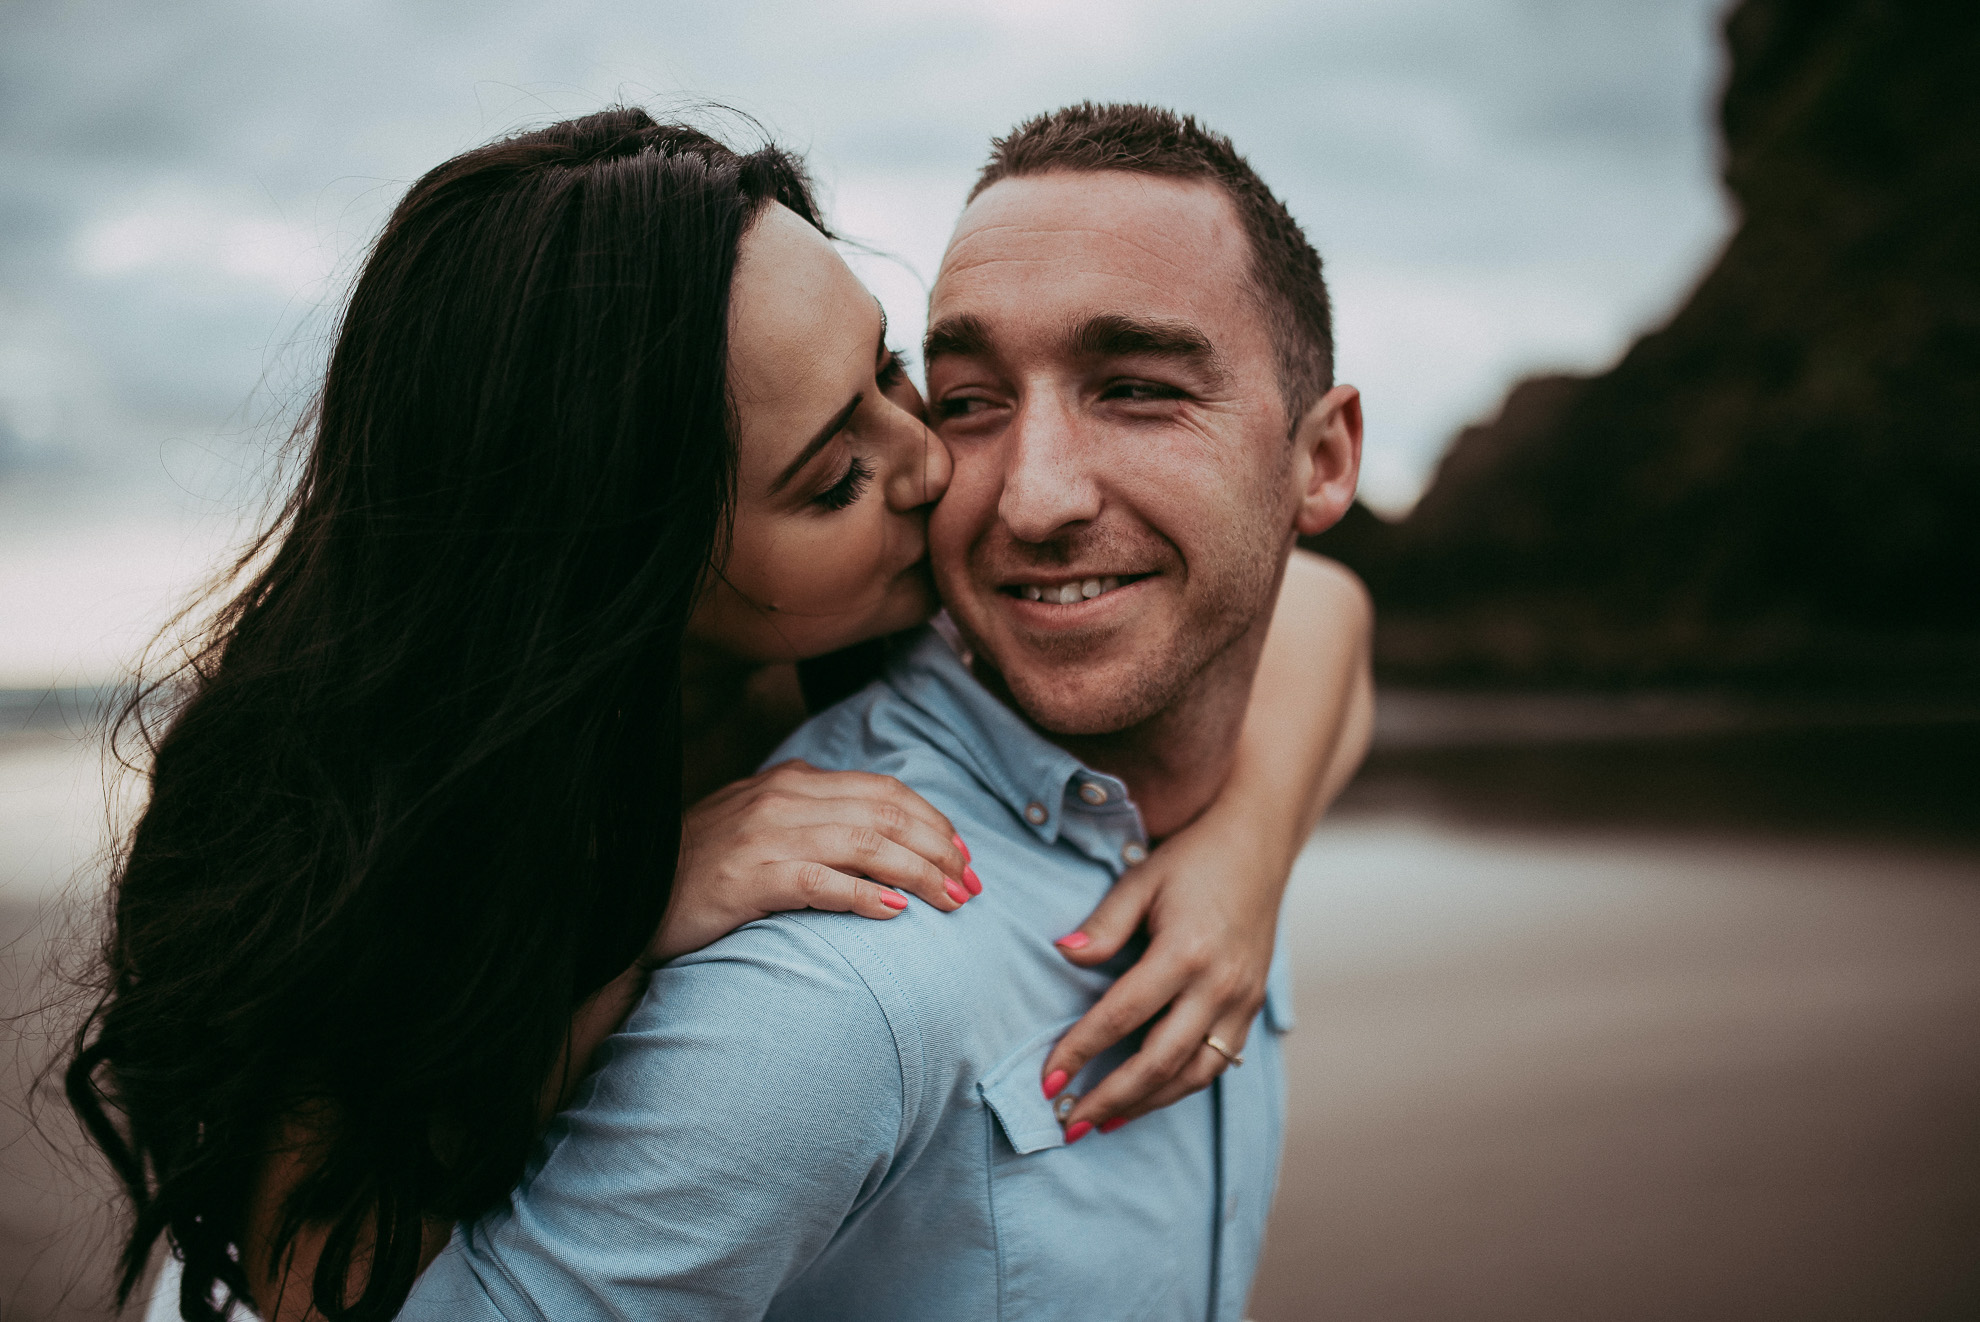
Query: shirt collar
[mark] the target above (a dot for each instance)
(1052, 792)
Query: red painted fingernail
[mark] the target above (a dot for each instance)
(1080, 1129)
(1055, 1081)
(893, 901)
(971, 880)
(957, 841)
(956, 892)
(1113, 1124)
(1077, 941)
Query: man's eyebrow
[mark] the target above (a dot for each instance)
(817, 443)
(1115, 335)
(1109, 335)
(966, 336)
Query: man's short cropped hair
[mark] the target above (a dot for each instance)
(1285, 271)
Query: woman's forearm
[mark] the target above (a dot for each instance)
(1312, 705)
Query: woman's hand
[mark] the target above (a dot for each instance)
(795, 837)
(792, 837)
(1209, 897)
(1210, 902)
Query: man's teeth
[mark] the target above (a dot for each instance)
(1065, 594)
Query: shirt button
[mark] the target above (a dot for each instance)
(1035, 814)
(1093, 794)
(1134, 852)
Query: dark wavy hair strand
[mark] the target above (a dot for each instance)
(416, 795)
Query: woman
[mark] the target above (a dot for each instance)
(413, 833)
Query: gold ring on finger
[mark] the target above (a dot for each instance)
(1216, 1044)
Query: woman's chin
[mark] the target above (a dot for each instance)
(908, 603)
(912, 603)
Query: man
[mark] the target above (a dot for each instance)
(1129, 357)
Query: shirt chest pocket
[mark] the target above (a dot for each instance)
(1114, 1226)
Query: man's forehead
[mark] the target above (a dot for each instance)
(1111, 221)
(1053, 258)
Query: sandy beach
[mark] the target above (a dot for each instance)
(1543, 1070)
(1619, 1079)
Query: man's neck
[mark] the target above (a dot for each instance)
(1176, 762)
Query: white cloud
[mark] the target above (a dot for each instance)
(898, 225)
(197, 239)
(1433, 348)
(45, 379)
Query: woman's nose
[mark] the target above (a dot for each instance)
(921, 470)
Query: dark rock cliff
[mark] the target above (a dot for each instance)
(1782, 485)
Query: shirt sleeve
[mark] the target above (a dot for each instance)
(753, 1100)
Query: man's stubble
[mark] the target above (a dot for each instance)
(1228, 587)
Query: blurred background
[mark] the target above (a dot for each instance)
(1640, 969)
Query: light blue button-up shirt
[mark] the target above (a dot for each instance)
(824, 1117)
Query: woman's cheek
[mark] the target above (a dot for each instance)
(834, 567)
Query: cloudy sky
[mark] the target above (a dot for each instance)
(1496, 186)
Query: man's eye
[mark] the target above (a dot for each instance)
(1139, 391)
(961, 406)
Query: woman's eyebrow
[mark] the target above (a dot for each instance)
(817, 443)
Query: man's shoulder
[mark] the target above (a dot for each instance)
(809, 967)
(881, 731)
(804, 1000)
(775, 996)
(776, 964)
(876, 721)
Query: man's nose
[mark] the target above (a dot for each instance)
(1048, 483)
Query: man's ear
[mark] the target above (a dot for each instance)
(1327, 459)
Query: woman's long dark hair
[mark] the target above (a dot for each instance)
(416, 794)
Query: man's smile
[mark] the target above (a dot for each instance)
(1068, 589)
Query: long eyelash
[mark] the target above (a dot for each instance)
(892, 370)
(848, 488)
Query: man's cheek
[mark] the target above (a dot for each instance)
(963, 512)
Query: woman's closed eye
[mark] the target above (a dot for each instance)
(850, 487)
(893, 371)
